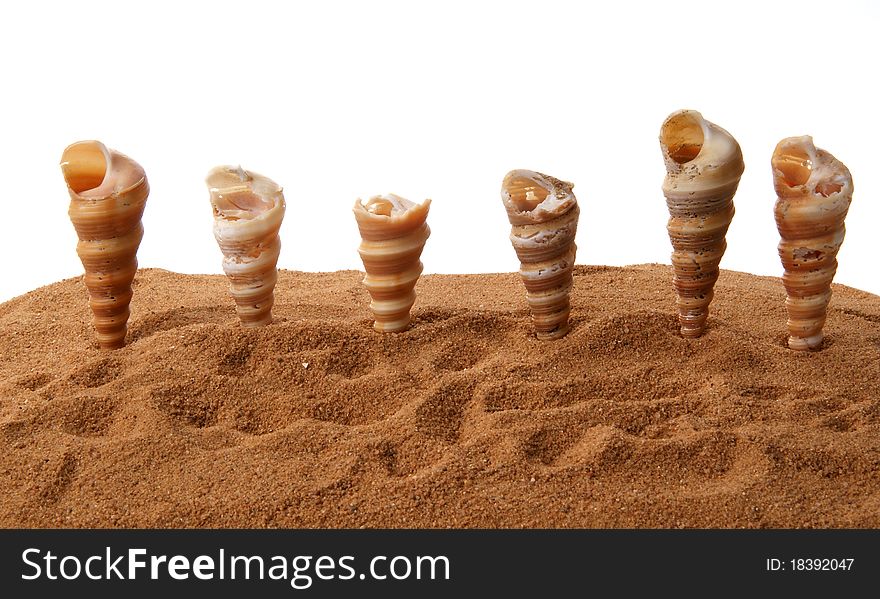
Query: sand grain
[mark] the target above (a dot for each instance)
(464, 421)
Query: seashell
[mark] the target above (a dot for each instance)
(543, 215)
(814, 191)
(248, 210)
(393, 233)
(108, 193)
(703, 167)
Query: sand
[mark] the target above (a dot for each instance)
(466, 420)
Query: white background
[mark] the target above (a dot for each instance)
(336, 100)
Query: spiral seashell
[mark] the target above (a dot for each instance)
(393, 233)
(108, 193)
(703, 167)
(248, 210)
(814, 191)
(543, 215)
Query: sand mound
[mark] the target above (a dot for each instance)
(464, 421)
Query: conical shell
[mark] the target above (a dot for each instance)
(703, 167)
(248, 210)
(393, 233)
(814, 191)
(543, 215)
(108, 193)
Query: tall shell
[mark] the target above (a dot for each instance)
(248, 210)
(814, 191)
(393, 233)
(703, 167)
(108, 193)
(543, 215)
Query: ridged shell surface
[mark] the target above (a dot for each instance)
(108, 193)
(814, 191)
(393, 233)
(703, 167)
(248, 210)
(543, 215)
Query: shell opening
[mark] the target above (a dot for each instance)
(826, 188)
(237, 194)
(389, 205)
(85, 165)
(795, 166)
(525, 195)
(243, 204)
(683, 137)
(379, 206)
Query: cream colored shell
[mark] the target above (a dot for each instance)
(108, 193)
(393, 233)
(703, 167)
(814, 191)
(248, 210)
(543, 214)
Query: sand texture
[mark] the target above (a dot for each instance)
(466, 420)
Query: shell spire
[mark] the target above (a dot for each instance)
(543, 215)
(108, 193)
(814, 191)
(393, 233)
(248, 210)
(703, 167)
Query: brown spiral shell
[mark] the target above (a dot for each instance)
(248, 210)
(108, 193)
(393, 233)
(703, 167)
(814, 191)
(543, 214)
